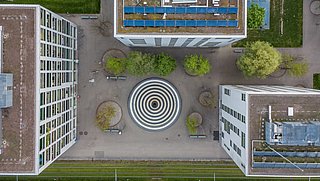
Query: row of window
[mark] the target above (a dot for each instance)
(228, 92)
(55, 150)
(234, 113)
(57, 65)
(55, 95)
(55, 109)
(55, 79)
(49, 20)
(56, 38)
(52, 51)
(229, 126)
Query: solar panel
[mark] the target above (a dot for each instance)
(233, 23)
(159, 22)
(179, 10)
(139, 22)
(191, 23)
(170, 23)
(170, 10)
(222, 23)
(128, 23)
(201, 23)
(149, 10)
(149, 23)
(139, 9)
(128, 9)
(212, 23)
(180, 23)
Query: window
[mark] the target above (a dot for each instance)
(230, 143)
(138, 41)
(243, 97)
(243, 140)
(227, 92)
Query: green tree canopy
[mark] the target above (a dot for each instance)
(259, 60)
(196, 65)
(255, 16)
(115, 65)
(164, 64)
(139, 63)
(294, 68)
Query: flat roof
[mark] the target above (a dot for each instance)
(199, 17)
(18, 121)
(266, 160)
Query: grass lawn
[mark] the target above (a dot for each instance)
(292, 26)
(141, 170)
(63, 6)
(316, 81)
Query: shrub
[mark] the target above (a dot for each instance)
(164, 64)
(192, 125)
(104, 117)
(197, 65)
(140, 64)
(316, 81)
(255, 16)
(259, 60)
(294, 68)
(115, 65)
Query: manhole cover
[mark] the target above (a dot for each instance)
(85, 133)
(154, 104)
(81, 133)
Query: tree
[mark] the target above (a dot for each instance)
(196, 65)
(140, 64)
(294, 68)
(104, 117)
(191, 124)
(164, 64)
(115, 65)
(259, 60)
(255, 16)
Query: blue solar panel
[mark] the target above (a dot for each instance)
(139, 22)
(149, 23)
(233, 23)
(222, 23)
(159, 22)
(149, 10)
(128, 9)
(232, 10)
(191, 10)
(180, 23)
(128, 23)
(170, 10)
(211, 10)
(212, 23)
(201, 10)
(191, 23)
(170, 23)
(201, 23)
(160, 10)
(139, 10)
(180, 10)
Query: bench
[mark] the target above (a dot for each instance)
(238, 50)
(89, 17)
(198, 136)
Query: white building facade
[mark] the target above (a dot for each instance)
(234, 118)
(57, 93)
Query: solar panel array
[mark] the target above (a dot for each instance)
(179, 10)
(285, 165)
(287, 154)
(180, 23)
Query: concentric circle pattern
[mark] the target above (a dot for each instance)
(154, 104)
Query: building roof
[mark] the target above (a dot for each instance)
(199, 17)
(265, 159)
(18, 122)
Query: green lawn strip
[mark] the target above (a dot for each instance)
(292, 26)
(64, 6)
(316, 81)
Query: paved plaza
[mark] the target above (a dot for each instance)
(173, 143)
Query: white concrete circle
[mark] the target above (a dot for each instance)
(154, 104)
